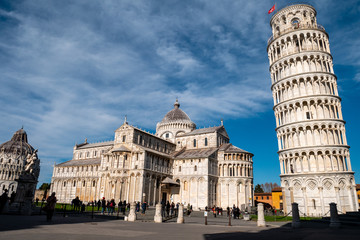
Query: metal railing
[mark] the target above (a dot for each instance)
(294, 28)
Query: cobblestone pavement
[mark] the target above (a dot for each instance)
(108, 227)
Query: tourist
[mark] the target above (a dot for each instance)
(214, 211)
(103, 206)
(12, 197)
(172, 208)
(111, 207)
(82, 207)
(108, 207)
(177, 209)
(123, 208)
(120, 206)
(77, 203)
(163, 206)
(50, 206)
(143, 207)
(98, 205)
(137, 206)
(3, 199)
(167, 208)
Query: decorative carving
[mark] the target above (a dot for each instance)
(327, 184)
(311, 185)
(32, 164)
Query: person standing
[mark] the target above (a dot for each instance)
(50, 206)
(98, 205)
(3, 200)
(143, 207)
(103, 205)
(167, 208)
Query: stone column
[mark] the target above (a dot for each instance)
(132, 214)
(351, 199)
(334, 217)
(305, 200)
(261, 217)
(283, 190)
(321, 200)
(295, 216)
(158, 216)
(180, 218)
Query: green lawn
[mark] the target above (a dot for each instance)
(282, 218)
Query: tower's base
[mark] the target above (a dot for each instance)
(314, 192)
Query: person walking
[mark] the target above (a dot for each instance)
(50, 206)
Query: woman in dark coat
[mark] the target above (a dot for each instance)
(50, 206)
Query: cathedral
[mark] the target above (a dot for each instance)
(179, 163)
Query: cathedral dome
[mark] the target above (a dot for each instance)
(18, 143)
(176, 115)
(175, 122)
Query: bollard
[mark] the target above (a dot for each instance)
(158, 215)
(132, 214)
(334, 217)
(205, 215)
(180, 218)
(295, 216)
(261, 217)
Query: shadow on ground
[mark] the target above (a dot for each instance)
(308, 231)
(16, 222)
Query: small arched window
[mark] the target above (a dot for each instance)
(74, 184)
(194, 142)
(94, 183)
(206, 142)
(124, 138)
(64, 184)
(295, 23)
(179, 168)
(84, 183)
(195, 168)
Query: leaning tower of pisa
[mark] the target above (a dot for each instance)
(313, 152)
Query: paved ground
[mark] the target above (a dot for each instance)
(108, 228)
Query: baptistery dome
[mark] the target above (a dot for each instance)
(174, 123)
(18, 144)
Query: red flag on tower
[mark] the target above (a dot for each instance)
(271, 9)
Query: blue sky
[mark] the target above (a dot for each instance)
(71, 70)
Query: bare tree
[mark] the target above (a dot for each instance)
(268, 187)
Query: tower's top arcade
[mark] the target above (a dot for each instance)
(293, 17)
